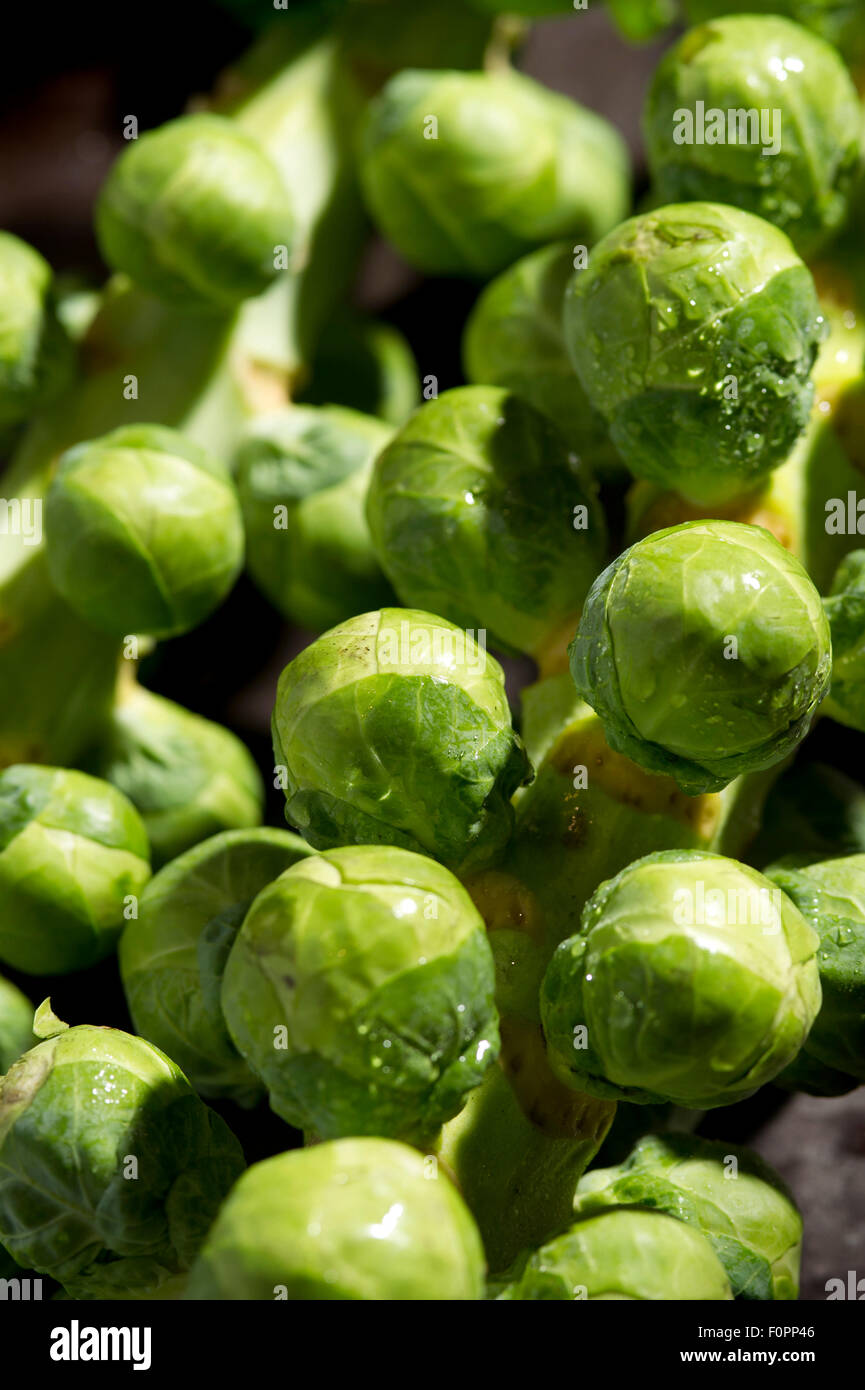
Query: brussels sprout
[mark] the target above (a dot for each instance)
(195, 212)
(187, 777)
(588, 814)
(692, 979)
(514, 338)
(760, 113)
(814, 809)
(73, 858)
(302, 476)
(830, 894)
(113, 1169)
(792, 501)
(394, 728)
(845, 609)
(143, 531)
(479, 512)
(519, 1147)
(16, 1024)
(623, 1253)
(738, 1202)
(35, 353)
(705, 651)
(464, 172)
(694, 331)
(363, 1219)
(365, 366)
(173, 956)
(360, 989)
(841, 22)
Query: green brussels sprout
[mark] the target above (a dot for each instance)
(692, 979)
(35, 353)
(738, 1202)
(780, 113)
(16, 1024)
(73, 859)
(187, 777)
(514, 337)
(172, 957)
(841, 22)
(362, 1219)
(302, 476)
(479, 512)
(465, 172)
(394, 729)
(623, 1253)
(845, 609)
(113, 1169)
(705, 651)
(830, 894)
(195, 213)
(366, 366)
(757, 112)
(694, 330)
(143, 532)
(360, 989)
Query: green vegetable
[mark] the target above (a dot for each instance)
(841, 22)
(360, 990)
(479, 512)
(845, 609)
(187, 777)
(705, 651)
(792, 501)
(111, 1168)
(694, 330)
(74, 859)
(195, 212)
(172, 956)
(588, 814)
(757, 112)
(144, 532)
(354, 1219)
(35, 354)
(691, 980)
(16, 1024)
(830, 894)
(302, 477)
(394, 729)
(514, 337)
(623, 1254)
(729, 1194)
(465, 172)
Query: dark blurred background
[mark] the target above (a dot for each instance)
(77, 72)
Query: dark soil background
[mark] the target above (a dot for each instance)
(77, 71)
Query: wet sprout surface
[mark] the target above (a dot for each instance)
(432, 668)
